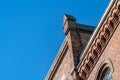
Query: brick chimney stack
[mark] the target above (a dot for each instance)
(69, 22)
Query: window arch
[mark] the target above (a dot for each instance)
(105, 70)
(104, 73)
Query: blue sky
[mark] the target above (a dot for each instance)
(31, 33)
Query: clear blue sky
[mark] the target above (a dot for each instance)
(31, 33)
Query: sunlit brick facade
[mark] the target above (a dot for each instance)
(88, 53)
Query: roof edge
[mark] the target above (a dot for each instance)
(55, 61)
(96, 30)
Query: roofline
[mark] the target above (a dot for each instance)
(88, 45)
(51, 72)
(96, 30)
(85, 27)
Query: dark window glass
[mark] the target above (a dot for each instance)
(106, 75)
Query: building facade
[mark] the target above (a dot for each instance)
(89, 53)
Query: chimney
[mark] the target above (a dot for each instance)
(69, 22)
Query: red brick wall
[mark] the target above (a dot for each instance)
(67, 64)
(111, 55)
(65, 67)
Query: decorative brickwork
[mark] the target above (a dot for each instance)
(102, 37)
(100, 59)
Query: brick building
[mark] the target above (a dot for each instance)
(89, 53)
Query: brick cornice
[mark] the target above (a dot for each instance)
(100, 39)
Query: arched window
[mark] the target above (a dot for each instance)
(104, 73)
